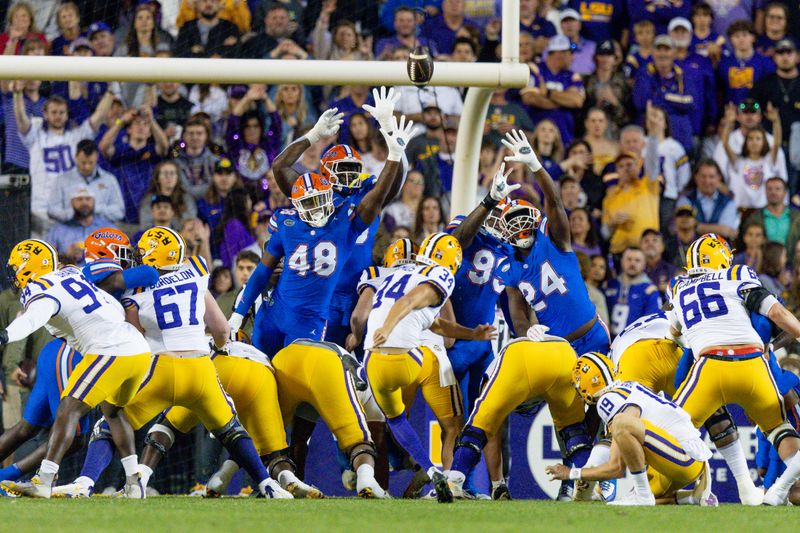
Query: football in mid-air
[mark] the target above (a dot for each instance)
(420, 66)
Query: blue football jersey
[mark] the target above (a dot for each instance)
(313, 258)
(360, 255)
(550, 280)
(478, 281)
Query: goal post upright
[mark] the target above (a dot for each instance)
(470, 128)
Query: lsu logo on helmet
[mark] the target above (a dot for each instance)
(343, 167)
(592, 374)
(162, 248)
(109, 243)
(708, 253)
(31, 259)
(400, 252)
(312, 196)
(441, 249)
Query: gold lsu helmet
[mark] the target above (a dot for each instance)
(31, 259)
(400, 252)
(162, 248)
(593, 372)
(441, 249)
(708, 253)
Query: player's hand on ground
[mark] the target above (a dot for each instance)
(380, 337)
(484, 332)
(327, 125)
(397, 138)
(500, 187)
(383, 110)
(537, 332)
(517, 142)
(557, 472)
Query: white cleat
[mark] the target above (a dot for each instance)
(215, 487)
(775, 497)
(749, 494)
(301, 490)
(370, 489)
(271, 489)
(31, 489)
(73, 490)
(583, 491)
(456, 481)
(133, 489)
(349, 480)
(635, 499)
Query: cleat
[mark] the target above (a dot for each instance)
(608, 490)
(443, 492)
(7, 494)
(417, 484)
(246, 492)
(635, 499)
(583, 491)
(749, 494)
(271, 489)
(456, 482)
(565, 492)
(215, 487)
(775, 497)
(300, 490)
(349, 480)
(73, 490)
(372, 490)
(32, 489)
(501, 492)
(198, 490)
(134, 489)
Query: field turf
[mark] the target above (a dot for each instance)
(178, 514)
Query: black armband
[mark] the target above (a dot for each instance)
(754, 297)
(489, 203)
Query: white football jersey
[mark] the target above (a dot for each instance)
(401, 281)
(658, 411)
(709, 309)
(89, 319)
(655, 326)
(171, 312)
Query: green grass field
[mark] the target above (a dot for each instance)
(178, 514)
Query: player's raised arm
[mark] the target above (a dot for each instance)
(466, 231)
(327, 125)
(397, 141)
(383, 112)
(554, 209)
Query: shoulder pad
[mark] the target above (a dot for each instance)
(199, 265)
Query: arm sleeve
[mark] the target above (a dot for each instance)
(759, 300)
(35, 316)
(255, 286)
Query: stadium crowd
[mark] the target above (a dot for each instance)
(661, 121)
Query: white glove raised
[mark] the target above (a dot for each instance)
(383, 110)
(327, 125)
(397, 138)
(536, 332)
(500, 187)
(523, 153)
(235, 323)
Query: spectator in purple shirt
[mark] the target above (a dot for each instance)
(532, 22)
(132, 146)
(212, 203)
(355, 97)
(251, 146)
(554, 90)
(405, 29)
(442, 28)
(232, 234)
(68, 18)
(583, 56)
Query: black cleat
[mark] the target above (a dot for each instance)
(443, 492)
(501, 492)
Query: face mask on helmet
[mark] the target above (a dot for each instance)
(519, 226)
(346, 174)
(494, 222)
(315, 208)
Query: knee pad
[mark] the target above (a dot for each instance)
(160, 426)
(231, 432)
(277, 457)
(781, 432)
(728, 426)
(361, 449)
(101, 431)
(575, 439)
(472, 438)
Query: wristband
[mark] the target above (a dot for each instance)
(574, 473)
(489, 203)
(119, 123)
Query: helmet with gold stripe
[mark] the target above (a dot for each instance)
(708, 253)
(31, 259)
(441, 249)
(400, 252)
(162, 248)
(592, 374)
